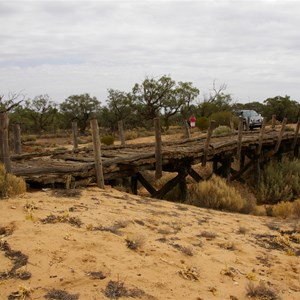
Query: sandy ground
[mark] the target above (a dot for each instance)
(104, 244)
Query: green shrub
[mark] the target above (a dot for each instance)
(10, 185)
(280, 181)
(222, 130)
(222, 118)
(202, 123)
(108, 140)
(217, 194)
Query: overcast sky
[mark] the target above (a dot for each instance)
(66, 47)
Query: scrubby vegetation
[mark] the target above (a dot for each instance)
(222, 130)
(107, 140)
(10, 185)
(217, 194)
(280, 181)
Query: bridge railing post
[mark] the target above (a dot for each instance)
(4, 145)
(158, 148)
(212, 126)
(97, 153)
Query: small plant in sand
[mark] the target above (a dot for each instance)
(135, 242)
(261, 291)
(23, 293)
(117, 289)
(216, 194)
(10, 185)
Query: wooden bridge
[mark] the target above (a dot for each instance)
(249, 149)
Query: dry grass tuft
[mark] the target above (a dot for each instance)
(296, 207)
(10, 185)
(216, 194)
(261, 291)
(135, 242)
(283, 209)
(117, 289)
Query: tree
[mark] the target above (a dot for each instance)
(42, 112)
(163, 96)
(119, 107)
(147, 97)
(282, 107)
(216, 101)
(180, 96)
(11, 102)
(80, 108)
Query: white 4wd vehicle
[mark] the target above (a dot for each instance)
(250, 117)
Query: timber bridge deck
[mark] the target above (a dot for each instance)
(69, 168)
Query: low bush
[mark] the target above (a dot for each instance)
(279, 181)
(283, 209)
(222, 130)
(10, 185)
(296, 207)
(202, 123)
(215, 193)
(107, 140)
(222, 118)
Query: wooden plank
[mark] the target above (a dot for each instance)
(17, 139)
(121, 133)
(4, 145)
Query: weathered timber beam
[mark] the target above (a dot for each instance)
(243, 170)
(145, 183)
(133, 184)
(194, 174)
(170, 185)
(280, 135)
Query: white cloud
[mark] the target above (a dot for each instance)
(67, 47)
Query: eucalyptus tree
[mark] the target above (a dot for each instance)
(80, 108)
(281, 107)
(41, 113)
(161, 97)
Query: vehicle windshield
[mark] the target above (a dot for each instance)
(250, 113)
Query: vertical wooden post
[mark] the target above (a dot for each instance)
(121, 133)
(97, 154)
(212, 126)
(293, 146)
(75, 136)
(17, 139)
(4, 146)
(261, 137)
(248, 123)
(158, 147)
(273, 121)
(187, 129)
(280, 135)
(239, 141)
(256, 173)
(134, 184)
(182, 185)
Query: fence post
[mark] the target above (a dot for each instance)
(187, 129)
(17, 139)
(158, 156)
(212, 126)
(97, 154)
(121, 132)
(280, 135)
(239, 142)
(273, 121)
(75, 136)
(4, 146)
